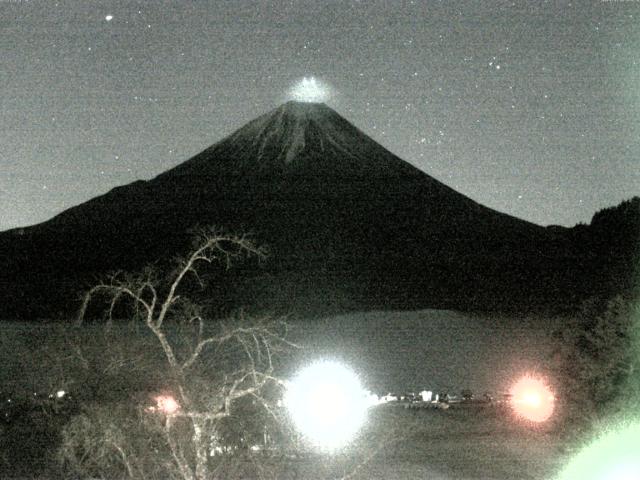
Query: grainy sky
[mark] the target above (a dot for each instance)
(529, 107)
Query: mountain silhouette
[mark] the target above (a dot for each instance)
(348, 224)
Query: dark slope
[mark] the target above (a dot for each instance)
(349, 226)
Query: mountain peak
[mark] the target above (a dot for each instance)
(308, 137)
(304, 112)
(303, 109)
(296, 104)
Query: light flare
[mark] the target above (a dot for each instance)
(327, 403)
(166, 404)
(532, 399)
(614, 455)
(309, 90)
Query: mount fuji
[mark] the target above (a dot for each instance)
(348, 224)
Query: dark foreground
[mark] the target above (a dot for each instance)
(399, 443)
(459, 443)
(408, 350)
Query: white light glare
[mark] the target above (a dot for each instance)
(60, 393)
(623, 472)
(532, 398)
(327, 403)
(309, 90)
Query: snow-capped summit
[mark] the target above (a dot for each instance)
(300, 135)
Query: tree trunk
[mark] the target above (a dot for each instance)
(201, 445)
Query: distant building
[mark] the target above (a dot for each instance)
(426, 395)
(389, 397)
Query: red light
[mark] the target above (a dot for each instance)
(532, 399)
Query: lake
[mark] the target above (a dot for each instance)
(391, 351)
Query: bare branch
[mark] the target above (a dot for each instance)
(197, 351)
(159, 302)
(164, 343)
(176, 452)
(115, 289)
(124, 458)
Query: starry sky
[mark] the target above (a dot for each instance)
(528, 107)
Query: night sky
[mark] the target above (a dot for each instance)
(530, 107)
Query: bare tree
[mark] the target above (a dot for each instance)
(212, 369)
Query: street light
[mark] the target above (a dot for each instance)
(166, 404)
(532, 399)
(327, 403)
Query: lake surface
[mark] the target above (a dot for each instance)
(391, 351)
(430, 349)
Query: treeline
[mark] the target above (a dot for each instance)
(608, 252)
(596, 365)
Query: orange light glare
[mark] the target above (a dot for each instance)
(167, 404)
(532, 399)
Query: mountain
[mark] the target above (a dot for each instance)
(348, 224)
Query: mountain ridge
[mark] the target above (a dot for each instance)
(350, 226)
